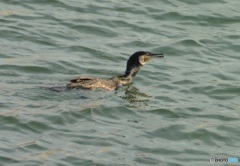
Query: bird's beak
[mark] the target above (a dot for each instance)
(160, 55)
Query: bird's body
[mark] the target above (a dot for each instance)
(135, 62)
(93, 83)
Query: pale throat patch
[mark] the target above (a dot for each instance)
(144, 59)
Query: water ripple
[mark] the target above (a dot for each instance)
(176, 109)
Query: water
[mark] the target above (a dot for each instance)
(180, 110)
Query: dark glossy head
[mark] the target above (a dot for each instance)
(138, 59)
(141, 57)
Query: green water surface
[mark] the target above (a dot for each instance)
(180, 110)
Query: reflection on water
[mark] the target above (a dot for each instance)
(133, 94)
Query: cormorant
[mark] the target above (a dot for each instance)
(134, 63)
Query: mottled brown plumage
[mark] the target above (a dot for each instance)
(135, 62)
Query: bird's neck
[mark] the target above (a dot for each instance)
(131, 72)
(127, 77)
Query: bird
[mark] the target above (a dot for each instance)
(134, 64)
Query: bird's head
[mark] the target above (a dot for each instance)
(138, 59)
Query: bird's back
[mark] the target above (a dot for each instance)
(92, 83)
